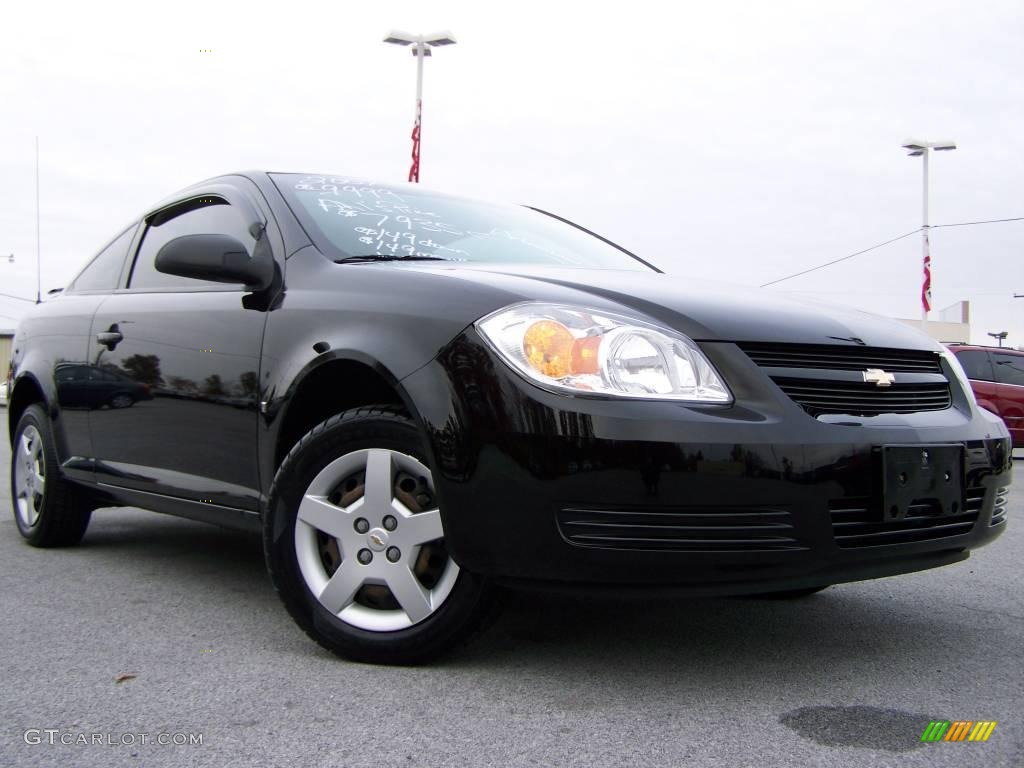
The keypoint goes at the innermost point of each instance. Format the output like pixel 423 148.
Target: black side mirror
pixel 219 258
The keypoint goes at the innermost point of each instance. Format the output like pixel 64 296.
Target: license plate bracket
pixel 921 472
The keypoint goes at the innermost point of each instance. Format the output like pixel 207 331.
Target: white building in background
pixel 954 323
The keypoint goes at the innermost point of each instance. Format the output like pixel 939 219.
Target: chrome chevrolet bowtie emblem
pixel 879 377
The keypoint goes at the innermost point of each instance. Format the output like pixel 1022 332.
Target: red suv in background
pixel 997 378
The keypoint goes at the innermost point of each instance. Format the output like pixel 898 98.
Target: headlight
pixel 587 351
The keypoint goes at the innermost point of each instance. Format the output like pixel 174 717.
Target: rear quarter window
pixel 104 271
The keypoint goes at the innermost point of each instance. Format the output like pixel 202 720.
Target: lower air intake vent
pixel 999 508
pixel 715 529
pixel 856 522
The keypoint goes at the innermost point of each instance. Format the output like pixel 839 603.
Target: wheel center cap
pixel 377 539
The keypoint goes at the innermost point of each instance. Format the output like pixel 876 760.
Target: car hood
pixel 703 310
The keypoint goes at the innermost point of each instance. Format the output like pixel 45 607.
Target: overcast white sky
pixel 740 141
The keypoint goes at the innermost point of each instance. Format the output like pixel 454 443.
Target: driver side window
pixel 207 216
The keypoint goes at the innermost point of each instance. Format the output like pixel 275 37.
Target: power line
pixel 970 223
pixel 19 298
pixel 873 247
pixel 842 258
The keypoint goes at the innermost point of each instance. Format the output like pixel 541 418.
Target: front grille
pixel 856 522
pixel 863 399
pixel 999 508
pixel 716 529
pixel 833 357
pixel 824 378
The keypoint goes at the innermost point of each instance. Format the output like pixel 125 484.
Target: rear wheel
pixel 49 511
pixel 121 400
pixel 355 543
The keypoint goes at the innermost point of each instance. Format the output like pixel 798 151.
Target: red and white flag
pixel 926 286
pixel 414 169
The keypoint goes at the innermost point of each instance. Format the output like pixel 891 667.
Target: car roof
pixel 983 347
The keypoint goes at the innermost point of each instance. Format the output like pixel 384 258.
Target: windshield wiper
pixel 386 257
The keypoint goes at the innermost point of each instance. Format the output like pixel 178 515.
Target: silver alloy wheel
pixel 29 476
pixel 367 524
pixel 121 401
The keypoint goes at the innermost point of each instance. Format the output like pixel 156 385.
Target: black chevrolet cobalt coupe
pixel 416 397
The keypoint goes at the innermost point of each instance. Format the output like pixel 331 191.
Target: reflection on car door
pixel 195 349
pixel 65 322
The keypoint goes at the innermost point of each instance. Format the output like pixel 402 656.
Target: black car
pixel 417 397
pixel 91 386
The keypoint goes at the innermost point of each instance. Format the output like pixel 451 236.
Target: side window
pixel 976 364
pixel 1009 368
pixel 67 372
pixel 102 272
pixel 215 217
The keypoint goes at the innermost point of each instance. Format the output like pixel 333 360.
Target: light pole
pixel 421 45
pixel 918 147
pixel 999 336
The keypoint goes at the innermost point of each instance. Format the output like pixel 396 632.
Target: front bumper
pixel 757 496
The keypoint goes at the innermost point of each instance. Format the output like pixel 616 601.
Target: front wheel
pixel 354 543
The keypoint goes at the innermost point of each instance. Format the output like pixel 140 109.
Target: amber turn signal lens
pixel 584 354
pixel 552 350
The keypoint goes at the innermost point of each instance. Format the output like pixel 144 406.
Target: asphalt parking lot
pixel 849 677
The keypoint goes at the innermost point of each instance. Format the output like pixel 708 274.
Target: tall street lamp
pixel 915 148
pixel 421 47
pixel 999 336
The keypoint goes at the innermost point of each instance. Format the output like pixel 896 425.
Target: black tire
pixel 453 621
pixel 64 511
pixel 791 594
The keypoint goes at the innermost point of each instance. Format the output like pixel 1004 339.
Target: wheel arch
pixel 27 391
pixel 336 381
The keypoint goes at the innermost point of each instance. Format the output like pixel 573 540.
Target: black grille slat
pixel 837 358
pixel 830 388
pixel 904 535
pixel 824 396
pixel 685 545
pixel 975 498
pixel 856 522
pixel 681 530
pixel 826 390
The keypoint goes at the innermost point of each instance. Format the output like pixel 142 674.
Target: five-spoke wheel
pixel 355 542
pixel 29 476
pixel 49 510
pixel 369 540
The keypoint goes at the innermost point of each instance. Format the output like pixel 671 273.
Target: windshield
pixel 348 217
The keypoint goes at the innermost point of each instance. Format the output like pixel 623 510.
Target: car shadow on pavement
pixel 847 629
pixel 195 551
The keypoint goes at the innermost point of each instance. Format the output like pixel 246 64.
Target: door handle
pixel 109 339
